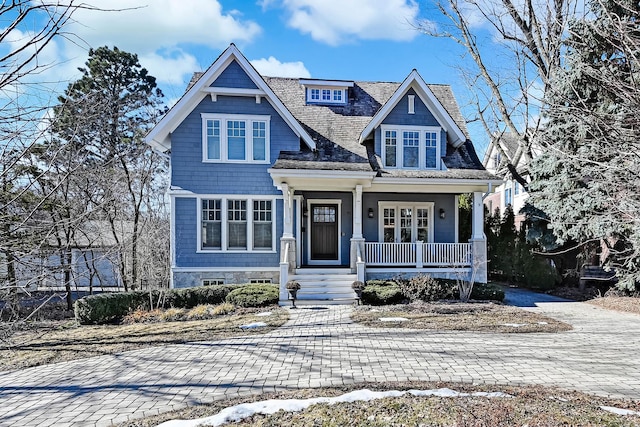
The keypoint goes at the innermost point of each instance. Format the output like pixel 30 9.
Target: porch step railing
pixel 417 254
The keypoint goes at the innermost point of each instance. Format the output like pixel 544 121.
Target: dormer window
pixel 326 91
pixel 409 147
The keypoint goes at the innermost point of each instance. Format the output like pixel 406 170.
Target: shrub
pixel 425 288
pixel 224 308
pixel 538 274
pixel 172 314
pixel 381 292
pixel 200 312
pixel 106 308
pixel 254 295
pixel 487 292
pixel 480 292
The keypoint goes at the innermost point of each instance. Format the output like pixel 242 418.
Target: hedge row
pixel 381 292
pixel 106 308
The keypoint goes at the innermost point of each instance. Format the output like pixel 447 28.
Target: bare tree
pixel 509 74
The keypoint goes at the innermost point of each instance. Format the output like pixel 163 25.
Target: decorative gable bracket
pixel 234 91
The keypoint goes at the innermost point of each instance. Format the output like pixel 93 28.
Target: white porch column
pixel 357 212
pixel 478 240
pixel 287 192
pixel 477 224
pixel 357 240
pixel 287 241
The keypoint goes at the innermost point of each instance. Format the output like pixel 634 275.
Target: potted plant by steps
pixel 358 287
pixel 293 287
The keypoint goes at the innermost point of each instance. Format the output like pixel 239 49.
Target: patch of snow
pixel 393 319
pixel 619 411
pixel 543 323
pixel 267 407
pixel 447 392
pixel 263 314
pixel 253 325
pixel 514 325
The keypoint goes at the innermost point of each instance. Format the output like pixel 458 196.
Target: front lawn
pixel 530 406
pixel 56 341
pixel 457 316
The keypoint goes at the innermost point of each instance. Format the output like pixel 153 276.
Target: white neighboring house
pixel 95 260
pixel 495 161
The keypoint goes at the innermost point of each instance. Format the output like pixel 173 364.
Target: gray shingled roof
pixel 336 130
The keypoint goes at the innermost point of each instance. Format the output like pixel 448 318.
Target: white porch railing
pixel 418 254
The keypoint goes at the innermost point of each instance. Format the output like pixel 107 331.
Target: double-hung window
pixel 235 138
pixel 237 224
pixel 408 147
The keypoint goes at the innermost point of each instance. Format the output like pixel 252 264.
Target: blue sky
pixel 333 39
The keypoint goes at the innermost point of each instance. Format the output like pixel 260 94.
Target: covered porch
pixel 367 245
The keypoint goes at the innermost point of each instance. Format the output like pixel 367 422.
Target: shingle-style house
pixel 321 181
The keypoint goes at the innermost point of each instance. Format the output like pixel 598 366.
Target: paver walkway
pixel 321 347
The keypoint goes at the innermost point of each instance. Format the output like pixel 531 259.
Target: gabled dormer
pixel 412 129
pixel 326 92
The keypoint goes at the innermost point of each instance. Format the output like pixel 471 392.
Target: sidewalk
pixel 321 347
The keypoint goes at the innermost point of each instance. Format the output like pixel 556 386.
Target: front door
pixel 324 232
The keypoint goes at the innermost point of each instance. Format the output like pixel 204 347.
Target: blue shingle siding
pixel 234 76
pixel 186 241
pixel 189 172
pixel 443 229
pixel 399 114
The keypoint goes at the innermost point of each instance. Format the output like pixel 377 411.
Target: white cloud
pixel 155 30
pixel 273 67
pixel 139 24
pixel 339 21
pixel 172 69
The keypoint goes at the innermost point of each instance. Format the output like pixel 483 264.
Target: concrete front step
pixel 331 286
pixel 310 302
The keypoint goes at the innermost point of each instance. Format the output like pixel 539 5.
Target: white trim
pixel 298 200
pixel 320 173
pixel 456 211
pixel 422 160
pixel 249 120
pixel 311 202
pixel 214 269
pixel 415 81
pixel 439 181
pixel 331 83
pixel 373 270
pixel 382 205
pixel 224 219
pixel 160 136
pixel 233 91
pixel 411 108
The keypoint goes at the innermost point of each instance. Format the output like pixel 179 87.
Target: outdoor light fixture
pixel 370 212
pixel 442 213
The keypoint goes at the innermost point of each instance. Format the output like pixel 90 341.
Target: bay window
pixel 235 138
pixel 409 147
pixel 236 224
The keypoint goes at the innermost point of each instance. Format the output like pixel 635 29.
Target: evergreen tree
pixel 105 115
pixel 586 178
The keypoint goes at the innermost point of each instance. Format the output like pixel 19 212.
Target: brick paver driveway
pixel 321 347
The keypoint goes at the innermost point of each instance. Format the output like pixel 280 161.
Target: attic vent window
pixel 412 104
